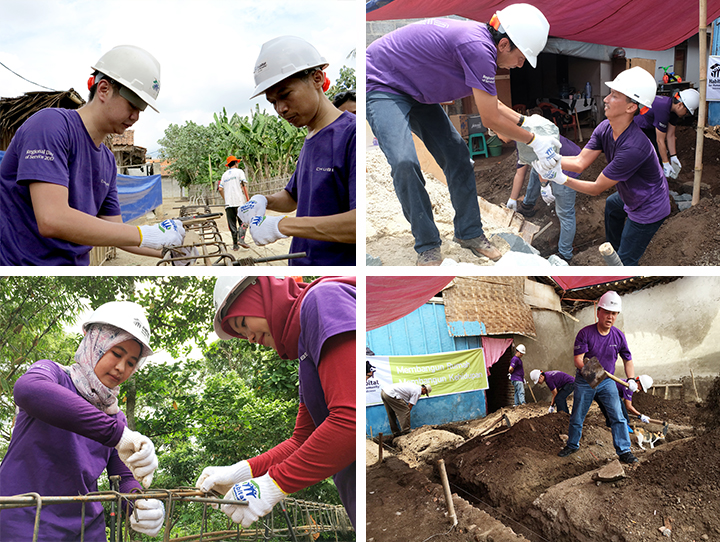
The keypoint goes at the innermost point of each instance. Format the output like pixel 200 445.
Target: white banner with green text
pixel 448 372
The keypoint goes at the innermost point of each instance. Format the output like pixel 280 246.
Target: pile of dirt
pixel 515 475
pixel 689 237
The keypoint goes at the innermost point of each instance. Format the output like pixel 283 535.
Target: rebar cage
pixel 297 520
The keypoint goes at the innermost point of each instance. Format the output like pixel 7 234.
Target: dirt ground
pixel 509 484
pixel 687 237
pixel 170 208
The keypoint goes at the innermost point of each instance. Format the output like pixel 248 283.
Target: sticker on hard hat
pixel 260 67
pixel 145 331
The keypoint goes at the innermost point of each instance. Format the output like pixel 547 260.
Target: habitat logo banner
pixel 449 372
pixel 713 79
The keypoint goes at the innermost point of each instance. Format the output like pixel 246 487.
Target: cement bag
pixel 538 125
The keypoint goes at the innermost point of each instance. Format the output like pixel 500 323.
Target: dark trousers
pixel 235 225
pixel 562 395
pixel 627 237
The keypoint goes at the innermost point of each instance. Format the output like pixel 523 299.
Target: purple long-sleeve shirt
pixel 60 446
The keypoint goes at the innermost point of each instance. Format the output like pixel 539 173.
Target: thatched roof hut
pixel 15 111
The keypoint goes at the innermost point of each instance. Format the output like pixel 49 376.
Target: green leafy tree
pixel 346 81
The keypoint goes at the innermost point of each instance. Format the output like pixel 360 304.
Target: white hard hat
pixel 610 301
pixel 527 27
pixel 136 70
pixel 646 382
pixel 428 388
pixel 535 375
pixel 637 84
pixel 690 99
pixel 127 316
pixel 521 348
pixel 227 289
pixel 282 57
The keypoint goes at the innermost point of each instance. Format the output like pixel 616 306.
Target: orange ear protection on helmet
pixel 326 83
pixel 91 82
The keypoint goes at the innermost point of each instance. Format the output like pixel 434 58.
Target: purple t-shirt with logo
pixel 52 146
pixel 557 379
pixel 606 348
pixel 433 61
pixel 60 446
pixel 328 309
pixel 658 116
pixel 518 373
pixel 324 184
pixel 632 162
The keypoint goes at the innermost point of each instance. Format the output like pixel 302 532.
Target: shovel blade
pixel 593 372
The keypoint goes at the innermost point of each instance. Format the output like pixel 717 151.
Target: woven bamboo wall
pixel 496 302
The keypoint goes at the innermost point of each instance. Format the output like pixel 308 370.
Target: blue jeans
pixel 519 391
pixel 628 238
pixel 564 207
pixel 606 392
pixel 393 119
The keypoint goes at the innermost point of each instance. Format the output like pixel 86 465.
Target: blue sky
pixel 206 48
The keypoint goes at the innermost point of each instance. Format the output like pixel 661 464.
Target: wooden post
pixel 702 111
pixel 380 447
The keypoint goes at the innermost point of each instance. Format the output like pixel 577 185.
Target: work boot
pixel 430 257
pixel 566 451
pixel 480 246
pixel 628 458
pixel 526 210
pixel 236 247
pixel 242 243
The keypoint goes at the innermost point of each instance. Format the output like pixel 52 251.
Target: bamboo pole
pixel 702 113
pixel 448 494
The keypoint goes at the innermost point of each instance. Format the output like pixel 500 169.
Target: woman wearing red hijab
pixel 314 323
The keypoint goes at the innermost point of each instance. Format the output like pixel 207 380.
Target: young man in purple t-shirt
pixel 58 186
pixel 658 123
pixel 605 342
pixel 289 71
pixel 516 373
pixel 642 202
pixel 414 69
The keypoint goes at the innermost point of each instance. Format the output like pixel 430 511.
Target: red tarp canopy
pixel 641 24
pixel 572 283
pixel 390 298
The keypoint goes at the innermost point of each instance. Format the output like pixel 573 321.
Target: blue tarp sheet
pixel 137 195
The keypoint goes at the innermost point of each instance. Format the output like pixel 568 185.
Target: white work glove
pixel 221 479
pixel 544 147
pixel 256 206
pixel 547 195
pixel 551 410
pixel 138 453
pixel 509 376
pixel 632 385
pixel 511 204
pixel 675 165
pixel 150 514
pixel 261 494
pixel 555 174
pixel 264 229
pixel 668 170
pixel 182 252
pixel 644 418
pixel 166 234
